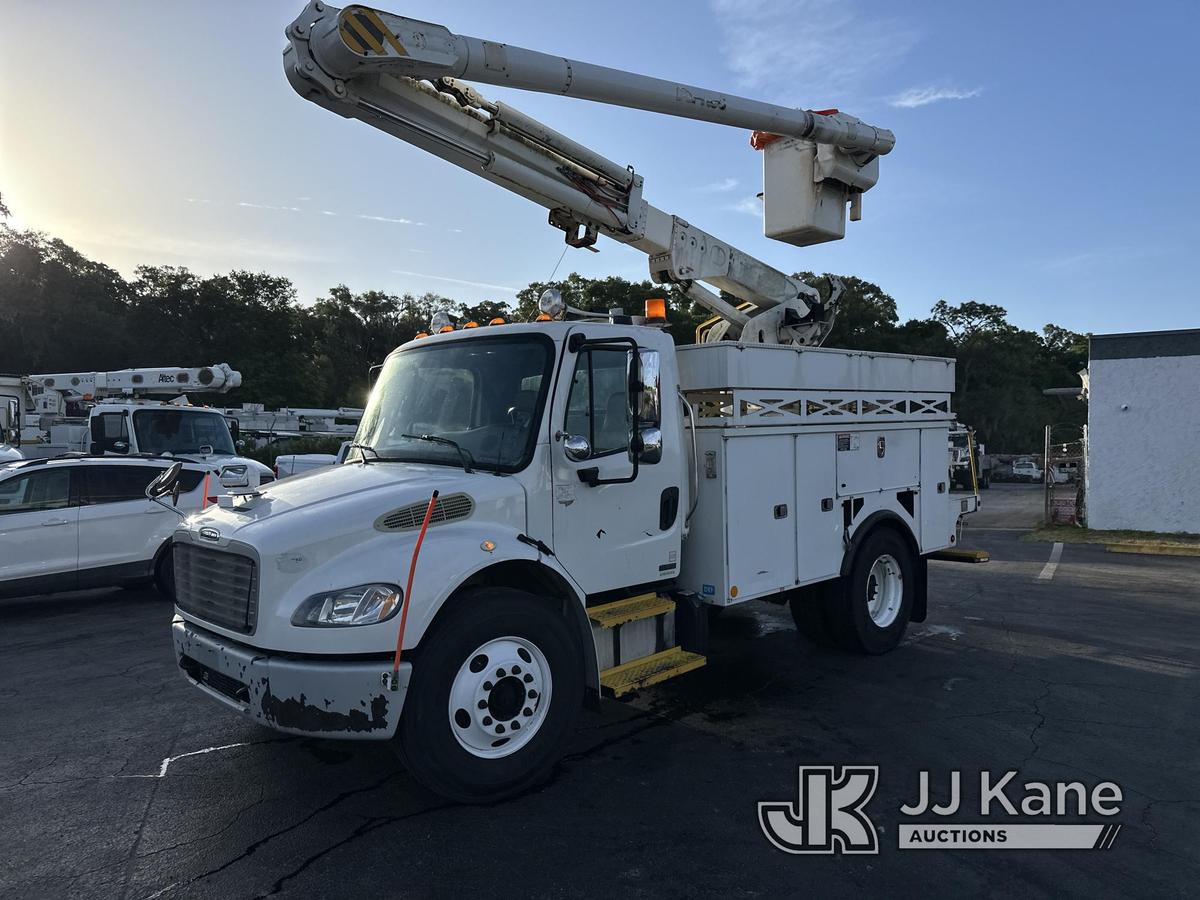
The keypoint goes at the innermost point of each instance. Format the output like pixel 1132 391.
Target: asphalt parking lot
pixel 119 780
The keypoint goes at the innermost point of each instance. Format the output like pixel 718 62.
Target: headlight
pixel 364 604
pixel 234 476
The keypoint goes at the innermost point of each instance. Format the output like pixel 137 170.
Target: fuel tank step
pixel 648 670
pixel 631 609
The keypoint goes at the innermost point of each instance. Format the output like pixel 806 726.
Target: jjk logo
pixel 828 815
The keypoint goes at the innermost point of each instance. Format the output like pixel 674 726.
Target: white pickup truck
pixel 290 464
pixel 596 487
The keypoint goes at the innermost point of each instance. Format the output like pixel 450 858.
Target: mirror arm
pixel 167 506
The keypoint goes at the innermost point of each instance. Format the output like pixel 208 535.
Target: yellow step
pixel 960 555
pixel 643 606
pixel 649 670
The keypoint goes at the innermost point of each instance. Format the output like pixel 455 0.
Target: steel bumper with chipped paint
pixel 335 698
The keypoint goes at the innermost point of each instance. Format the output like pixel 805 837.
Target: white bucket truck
pixel 579 489
pixel 117 413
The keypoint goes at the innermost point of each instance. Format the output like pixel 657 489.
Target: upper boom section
pixel 404 77
pixel 361 40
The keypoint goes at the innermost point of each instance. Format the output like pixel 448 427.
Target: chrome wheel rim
pixel 885 590
pixel 500 697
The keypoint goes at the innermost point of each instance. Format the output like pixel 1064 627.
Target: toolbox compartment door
pixel 872 461
pixel 761 526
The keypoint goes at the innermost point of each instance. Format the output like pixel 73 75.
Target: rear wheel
pixel 493 697
pixel 876 600
pixel 867 610
pixel 809 606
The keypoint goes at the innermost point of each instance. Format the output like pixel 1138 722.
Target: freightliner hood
pixel 347 499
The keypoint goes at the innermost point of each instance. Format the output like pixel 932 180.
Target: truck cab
pixel 139 427
pixel 10 418
pixel 575 505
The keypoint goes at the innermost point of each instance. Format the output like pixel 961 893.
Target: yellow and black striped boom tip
pixel 363 32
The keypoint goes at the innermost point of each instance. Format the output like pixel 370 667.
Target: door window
pixel 598 404
pixel 109 430
pixel 116 484
pixel 45 489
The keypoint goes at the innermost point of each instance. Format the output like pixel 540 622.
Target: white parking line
pixel 1049 569
pixel 166 763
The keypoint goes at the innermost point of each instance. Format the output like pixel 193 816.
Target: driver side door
pixel 609 536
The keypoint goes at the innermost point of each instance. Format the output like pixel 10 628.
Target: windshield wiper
pixel 366 448
pixel 463 455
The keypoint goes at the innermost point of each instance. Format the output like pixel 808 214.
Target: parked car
pixel 84 521
pixel 1026 470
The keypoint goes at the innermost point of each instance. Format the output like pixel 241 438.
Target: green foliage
pixel 61 311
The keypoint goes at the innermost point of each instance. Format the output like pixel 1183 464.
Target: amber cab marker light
pixel 656 309
pixel 471 324
pixel 542 317
pixel 497 321
pixel 420 334
pixel 445 328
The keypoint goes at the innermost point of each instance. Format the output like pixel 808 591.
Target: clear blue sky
pixel 1044 158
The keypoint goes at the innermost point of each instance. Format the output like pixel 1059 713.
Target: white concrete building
pixel 1143 458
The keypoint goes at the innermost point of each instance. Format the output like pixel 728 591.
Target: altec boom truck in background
pixel 532 514
pixel 126 412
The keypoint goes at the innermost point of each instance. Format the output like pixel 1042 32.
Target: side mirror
pixel 94 449
pixel 235 429
pixel 576 447
pixel 164 483
pixel 646 400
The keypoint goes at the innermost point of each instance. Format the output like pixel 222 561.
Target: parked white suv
pixel 82 521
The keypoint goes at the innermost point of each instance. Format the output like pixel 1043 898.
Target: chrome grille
pixel 216 586
pixel 447 509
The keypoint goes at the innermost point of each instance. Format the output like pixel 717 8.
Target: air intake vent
pixel 449 508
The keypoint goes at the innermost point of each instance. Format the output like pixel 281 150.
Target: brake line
pixel 392 679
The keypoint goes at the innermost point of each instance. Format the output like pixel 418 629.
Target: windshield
pixel 485 394
pixel 181 431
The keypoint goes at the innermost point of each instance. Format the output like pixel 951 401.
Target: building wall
pixel 1143 464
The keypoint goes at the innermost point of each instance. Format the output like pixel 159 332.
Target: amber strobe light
pixel 656 309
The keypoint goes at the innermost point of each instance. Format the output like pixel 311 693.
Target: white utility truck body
pixel 533 513
pixel 792 481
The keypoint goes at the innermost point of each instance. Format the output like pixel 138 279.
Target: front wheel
pixel 493 697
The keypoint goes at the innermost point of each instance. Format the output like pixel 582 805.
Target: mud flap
pixel 920 607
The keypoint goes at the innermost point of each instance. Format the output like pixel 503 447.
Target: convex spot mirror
pixel 576 447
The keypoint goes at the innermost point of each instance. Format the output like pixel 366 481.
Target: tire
pixel 164 575
pixel 809 606
pixel 869 611
pixel 445 735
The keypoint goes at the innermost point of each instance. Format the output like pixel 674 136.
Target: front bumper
pixel 335 698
